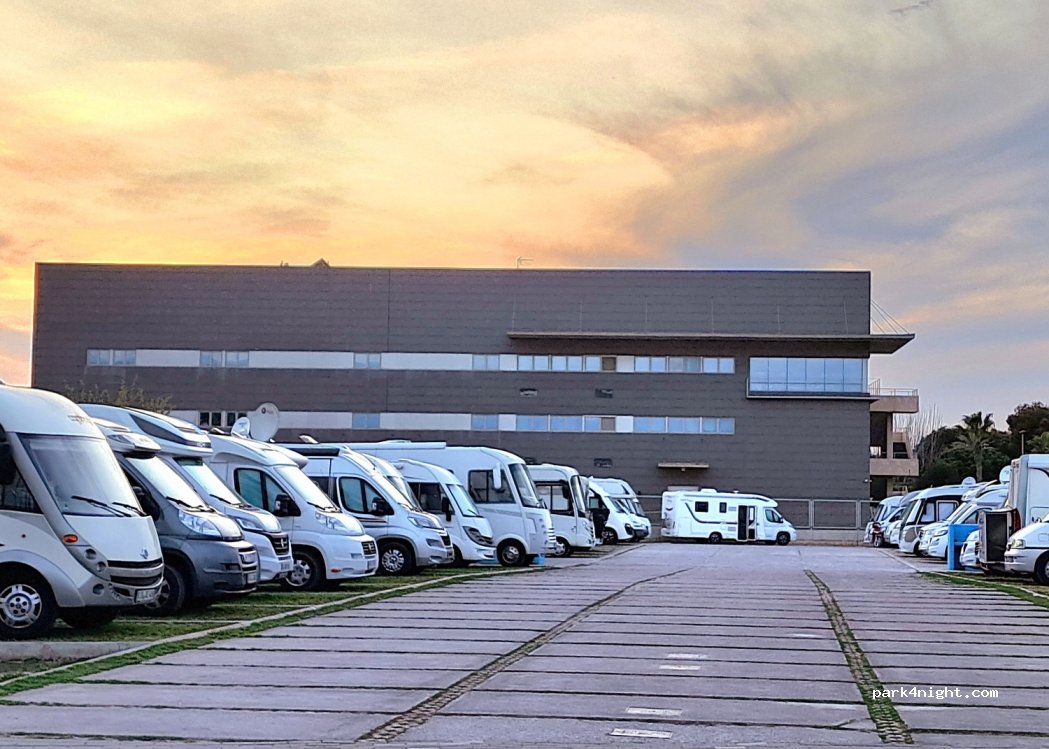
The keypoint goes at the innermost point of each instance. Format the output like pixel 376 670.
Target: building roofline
pixel 878 343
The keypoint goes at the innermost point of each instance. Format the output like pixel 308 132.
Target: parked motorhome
pixel 185 447
pixel 1027 503
pixel 874 533
pixel 438 491
pixel 327 545
pixel 932 539
pixel 612 520
pixel 409 539
pixel 74 541
pixel 721 516
pixel 205 555
pixel 563 491
pixel 624 493
pixel 498 483
pixel 929 506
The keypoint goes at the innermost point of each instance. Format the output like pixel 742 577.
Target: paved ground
pixel 665 645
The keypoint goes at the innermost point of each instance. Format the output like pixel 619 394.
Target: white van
pixel 327 545
pixel 409 539
pixel 612 522
pixel 932 539
pixel 185 447
pixel 564 491
pixel 931 505
pixel 1026 513
pixel 876 531
pixel 717 516
pixel 626 497
pixel 74 541
pixel 500 487
pixel 439 491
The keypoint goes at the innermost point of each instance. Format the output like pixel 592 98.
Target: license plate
pixel 286 566
pixel 252 578
pixel 145 596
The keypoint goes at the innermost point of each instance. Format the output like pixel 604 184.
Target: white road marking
pixel 685 657
pixel 679 667
pixel 635 733
pixel 652 711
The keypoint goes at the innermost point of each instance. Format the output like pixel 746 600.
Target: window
pixel 710 365
pixel 525 363
pixel 807 375
pixel 232 416
pixel 124 357
pixel 702 507
pixel 211 359
pixel 709 425
pixel 484 422
pixel 575 364
pixel 533 423
pixel 771 516
pixel 486 362
pixel 683 425
pixel 482 491
pixel 592 363
pixel 99 357
pixel 363 420
pixel 16 495
pixel 367 361
pixel 257 488
pixel 650 424
pixel 658 363
pixel 726 365
pixel 431 497
pixel 357 495
pixel 642 363
pixel 541 363
pixel 559 363
pixel 209 419
pixel 723 507
pixel 928 513
pixel 599 423
pixel 676 364
pixel 608 364
pixel 566 423
pixel 237 359
pixel 556 497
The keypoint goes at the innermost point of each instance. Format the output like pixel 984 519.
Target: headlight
pixel 628 527
pixel 424 521
pixel 249 523
pixel 939 532
pixel 477 537
pixel 1017 543
pixel 333 522
pixel 199 525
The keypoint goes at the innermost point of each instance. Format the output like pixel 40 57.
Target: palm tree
pixel 974 436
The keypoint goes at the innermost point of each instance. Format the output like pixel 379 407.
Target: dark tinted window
pixel 702 507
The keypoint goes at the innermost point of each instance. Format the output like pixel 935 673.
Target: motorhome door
pixel 742 522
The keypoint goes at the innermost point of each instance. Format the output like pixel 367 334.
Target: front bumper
pixel 225 569
pixel 1022 561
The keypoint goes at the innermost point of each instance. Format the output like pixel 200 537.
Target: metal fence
pixel 804 514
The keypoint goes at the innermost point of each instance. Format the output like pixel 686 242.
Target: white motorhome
pixel 327 545
pixel 1026 515
pixel 718 516
pixel 932 539
pixel 621 491
pixel 564 491
pixel 876 532
pixel 185 447
pixel 409 539
pixel 74 541
pixel 612 521
pixel 931 505
pixel 439 491
pixel 500 487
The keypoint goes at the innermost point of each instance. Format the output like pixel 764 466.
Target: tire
pixel 395 558
pixel 27 605
pixel 878 542
pixel 511 554
pixel 307 571
pixel 458 561
pixel 609 537
pixel 561 548
pixel 782 538
pixel 172 594
pixel 1041 569
pixel 88 618
pixel 714 538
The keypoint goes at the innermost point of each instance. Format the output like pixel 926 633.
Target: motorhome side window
pixel 16 496
pixel 430 496
pixel 555 497
pixel 770 516
pixel 256 487
pixel 723 507
pixel 702 506
pixel 483 492
pixel 323 483
pixel 357 494
pixel 928 513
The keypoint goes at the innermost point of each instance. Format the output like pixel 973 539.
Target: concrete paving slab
pixel 784 672
pixel 934 645
pixel 574 650
pixel 1032 697
pixel 984 719
pixel 974 677
pixel 234 676
pixel 335 660
pixel 428 634
pixel 470 625
pixel 725 640
pixel 961 662
pixel 377 645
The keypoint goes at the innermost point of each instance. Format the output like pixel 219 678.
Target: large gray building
pixel 740 380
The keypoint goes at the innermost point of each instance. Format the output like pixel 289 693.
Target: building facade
pixel 740 380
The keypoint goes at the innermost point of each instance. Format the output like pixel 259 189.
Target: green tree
pixel 1031 419
pixel 975 437
pixel 1039 444
pixel 127 396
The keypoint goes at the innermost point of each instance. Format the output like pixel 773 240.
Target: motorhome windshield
pixel 395 494
pixel 577 495
pixel 525 487
pixel 82 475
pixel 301 485
pixel 212 484
pixel 402 487
pixel 961 513
pixel 462 500
pixel 168 484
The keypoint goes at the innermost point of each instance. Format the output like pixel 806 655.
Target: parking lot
pixel 662 645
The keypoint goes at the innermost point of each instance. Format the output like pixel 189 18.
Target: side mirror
pixel 284 507
pixel 140 494
pixel 446 508
pixel 7 464
pixel 381 507
pixel 497 479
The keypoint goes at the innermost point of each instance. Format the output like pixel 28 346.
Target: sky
pixel 904 137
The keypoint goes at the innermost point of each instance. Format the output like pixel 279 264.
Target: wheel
pixel 88 618
pixel 878 542
pixel 714 538
pixel 458 561
pixel 782 538
pixel 395 558
pixel 307 571
pixel 27 605
pixel 511 554
pixel 1041 569
pixel 172 594
pixel 561 548
pixel 608 536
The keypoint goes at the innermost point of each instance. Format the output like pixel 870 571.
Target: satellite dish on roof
pixel 241 428
pixel 968 481
pixel 265 420
pixel 1005 474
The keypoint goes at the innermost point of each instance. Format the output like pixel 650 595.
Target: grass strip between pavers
pixel 71 672
pixel 1016 590
pixel 887 721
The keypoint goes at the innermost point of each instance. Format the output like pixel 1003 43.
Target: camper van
pixel 327 545
pixel 720 516
pixel 408 538
pixel 930 505
pixel 876 532
pixel 932 539
pixel 74 541
pixel 438 491
pixel 563 491
pixel 184 447
pixel 205 555
pixel 625 495
pixel 613 522
pixel 500 487
pixel 1026 516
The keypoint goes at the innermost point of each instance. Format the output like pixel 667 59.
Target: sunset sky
pixel 904 137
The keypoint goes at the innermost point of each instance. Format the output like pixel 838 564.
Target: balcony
pixel 899 463
pixel 893 400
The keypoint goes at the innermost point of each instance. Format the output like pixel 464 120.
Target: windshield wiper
pixel 233 503
pixel 98 503
pixel 136 510
pixel 190 505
